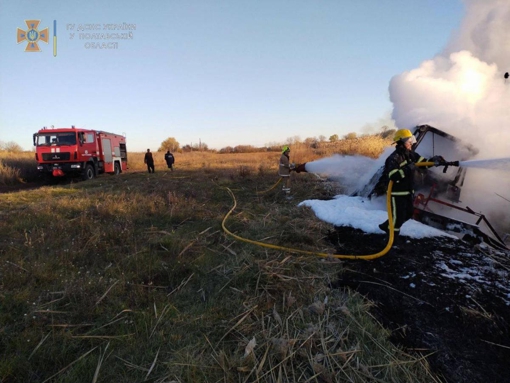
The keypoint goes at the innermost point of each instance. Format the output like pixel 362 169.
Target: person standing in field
pixel 149 160
pixel 169 158
pixel 285 168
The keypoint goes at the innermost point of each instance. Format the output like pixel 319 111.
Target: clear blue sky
pixel 229 72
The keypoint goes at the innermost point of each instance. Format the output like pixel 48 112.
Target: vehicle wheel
pixel 116 169
pixel 89 173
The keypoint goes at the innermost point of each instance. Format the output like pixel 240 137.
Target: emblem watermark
pixel 32 35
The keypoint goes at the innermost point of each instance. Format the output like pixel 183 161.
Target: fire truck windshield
pixel 56 139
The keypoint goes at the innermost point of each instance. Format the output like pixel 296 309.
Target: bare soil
pixel 441 297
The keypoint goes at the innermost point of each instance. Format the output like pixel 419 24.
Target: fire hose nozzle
pixel 452 163
pixel 300 168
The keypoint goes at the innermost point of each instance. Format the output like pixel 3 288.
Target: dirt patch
pixel 441 297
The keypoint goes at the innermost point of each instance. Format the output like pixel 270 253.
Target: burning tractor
pixel 438 200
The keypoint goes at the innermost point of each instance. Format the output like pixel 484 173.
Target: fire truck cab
pixel 75 151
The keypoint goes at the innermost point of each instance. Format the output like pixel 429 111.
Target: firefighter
pixel 285 168
pixel 149 161
pixel 399 168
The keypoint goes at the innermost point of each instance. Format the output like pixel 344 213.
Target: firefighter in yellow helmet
pixel 400 168
pixel 285 168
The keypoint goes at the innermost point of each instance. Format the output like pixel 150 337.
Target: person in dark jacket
pixel 169 158
pixel 149 160
pixel 400 168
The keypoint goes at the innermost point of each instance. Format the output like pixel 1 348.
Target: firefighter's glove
pixel 438 160
pixel 292 166
pixel 410 167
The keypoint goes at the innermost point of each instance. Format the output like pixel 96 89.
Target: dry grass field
pixel 132 278
pixel 18 168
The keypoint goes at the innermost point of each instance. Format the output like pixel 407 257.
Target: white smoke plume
pixel 345 170
pixel 463 92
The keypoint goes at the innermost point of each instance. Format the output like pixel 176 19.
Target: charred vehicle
pixel 438 199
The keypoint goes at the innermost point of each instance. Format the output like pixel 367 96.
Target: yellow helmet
pixel 402 134
pixel 285 148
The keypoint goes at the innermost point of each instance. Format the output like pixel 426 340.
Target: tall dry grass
pixel 20 167
pixel 131 278
pixel 17 168
pixel 369 146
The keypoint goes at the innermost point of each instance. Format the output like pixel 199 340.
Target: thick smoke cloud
pixel 463 92
pixel 484 32
pixel 461 95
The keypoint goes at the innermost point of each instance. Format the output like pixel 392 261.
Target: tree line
pixel 173 145
pixel 313 142
pixel 10 147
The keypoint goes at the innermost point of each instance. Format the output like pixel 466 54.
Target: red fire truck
pixel 85 152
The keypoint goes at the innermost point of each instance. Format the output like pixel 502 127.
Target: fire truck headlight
pixel 75 166
pixel 40 167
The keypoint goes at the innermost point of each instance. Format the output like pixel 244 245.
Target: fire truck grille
pixel 56 156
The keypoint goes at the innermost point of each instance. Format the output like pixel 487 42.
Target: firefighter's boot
pixel 286 192
pixel 384 227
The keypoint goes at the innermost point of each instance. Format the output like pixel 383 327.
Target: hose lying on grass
pixel 319 254
pixel 271 188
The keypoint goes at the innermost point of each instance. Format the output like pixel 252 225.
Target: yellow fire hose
pixel 271 188
pixel 326 255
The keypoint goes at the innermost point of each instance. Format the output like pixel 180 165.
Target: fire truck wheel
pixel 116 169
pixel 88 174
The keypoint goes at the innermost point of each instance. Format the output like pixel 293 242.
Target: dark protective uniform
pixel 399 168
pixel 169 158
pixel 149 161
